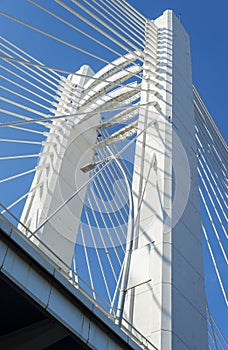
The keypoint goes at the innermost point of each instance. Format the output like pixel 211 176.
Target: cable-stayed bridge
pixel 115 173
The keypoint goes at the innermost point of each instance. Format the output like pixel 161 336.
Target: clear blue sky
pixel 205 21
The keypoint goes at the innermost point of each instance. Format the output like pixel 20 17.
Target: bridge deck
pixel 41 309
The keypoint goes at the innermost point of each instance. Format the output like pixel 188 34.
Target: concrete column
pixel 165 296
pixel 69 146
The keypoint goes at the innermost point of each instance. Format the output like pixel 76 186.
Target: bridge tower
pixel 160 285
pixel 163 288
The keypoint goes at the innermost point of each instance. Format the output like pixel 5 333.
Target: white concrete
pixel 63 153
pixel 167 304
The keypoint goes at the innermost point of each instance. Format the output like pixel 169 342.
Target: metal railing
pixel 77 281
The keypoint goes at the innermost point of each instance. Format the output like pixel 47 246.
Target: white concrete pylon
pixel 162 293
pixel 61 177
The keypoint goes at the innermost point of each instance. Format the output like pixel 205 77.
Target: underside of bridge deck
pixel 24 325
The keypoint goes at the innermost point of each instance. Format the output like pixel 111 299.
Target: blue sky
pixel 206 25
pixel 205 21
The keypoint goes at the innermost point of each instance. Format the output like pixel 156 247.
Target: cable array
pixel 40 105
pixel 216 339
pixel 42 108
pixel 212 170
